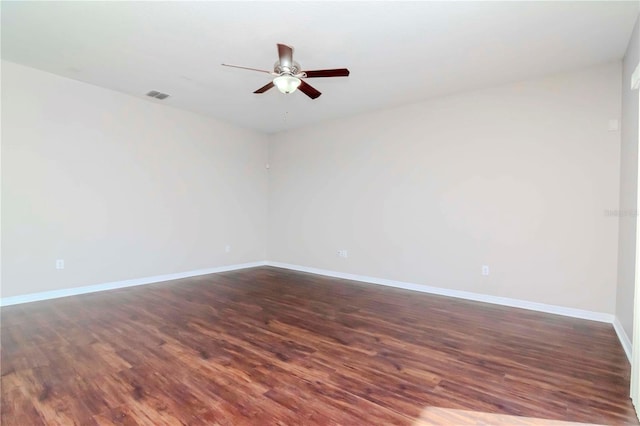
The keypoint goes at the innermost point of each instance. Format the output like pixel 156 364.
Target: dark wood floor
pixel 269 346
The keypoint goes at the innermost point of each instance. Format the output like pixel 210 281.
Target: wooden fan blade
pixel 245 68
pixel 286 55
pixel 265 87
pixel 308 90
pixel 338 72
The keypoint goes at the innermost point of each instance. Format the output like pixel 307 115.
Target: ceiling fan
pixel 289 74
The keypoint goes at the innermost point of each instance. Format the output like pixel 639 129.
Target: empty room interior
pixel 319 213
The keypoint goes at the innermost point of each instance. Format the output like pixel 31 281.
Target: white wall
pixel 120 187
pixel 517 177
pixel 628 187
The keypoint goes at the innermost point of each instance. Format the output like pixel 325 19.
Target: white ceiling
pixel 398 52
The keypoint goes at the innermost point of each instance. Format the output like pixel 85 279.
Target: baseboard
pixel 496 300
pixel 622 335
pixel 505 301
pixel 46 295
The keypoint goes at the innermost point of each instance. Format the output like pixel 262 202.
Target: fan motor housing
pixel 294 69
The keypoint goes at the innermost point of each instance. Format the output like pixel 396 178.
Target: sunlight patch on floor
pixel 447 416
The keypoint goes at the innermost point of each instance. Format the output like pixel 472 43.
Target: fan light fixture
pixel 287 83
pixel 288 74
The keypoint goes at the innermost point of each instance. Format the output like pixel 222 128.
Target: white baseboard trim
pixel 505 301
pixel 496 300
pixel 46 295
pixel 622 335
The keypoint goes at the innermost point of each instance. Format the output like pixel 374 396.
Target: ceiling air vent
pixel 157 95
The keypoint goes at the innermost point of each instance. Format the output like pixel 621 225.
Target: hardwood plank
pixel 270 346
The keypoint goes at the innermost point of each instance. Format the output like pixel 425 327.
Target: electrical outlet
pixel 485 270
pixel 227 248
pixel 60 264
pixel 343 253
